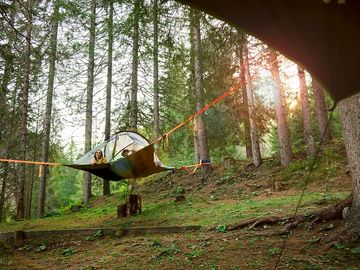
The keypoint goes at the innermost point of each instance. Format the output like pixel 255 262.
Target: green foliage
pixel 99 233
pixel 156 243
pixel 273 251
pixel 221 228
pixel 68 251
pixel 41 248
pixel 339 246
pixel 194 253
pixel 355 250
pixel 27 247
pixel 178 190
pixel 63 187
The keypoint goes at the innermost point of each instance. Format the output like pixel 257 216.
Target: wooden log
pixel 132 206
pixel 121 210
pixel 18 236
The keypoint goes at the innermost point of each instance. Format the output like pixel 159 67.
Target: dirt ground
pixel 243 249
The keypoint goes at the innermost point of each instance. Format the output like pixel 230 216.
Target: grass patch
pixel 194 211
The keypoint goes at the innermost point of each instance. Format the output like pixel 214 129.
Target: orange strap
pixel 199 112
pixel 186 168
pixel 40 163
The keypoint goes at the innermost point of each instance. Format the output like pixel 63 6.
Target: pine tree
pixel 135 64
pixel 255 145
pixel 106 184
pixel 321 111
pixel 286 155
pixel 89 97
pixel 24 103
pixel 201 137
pixel 350 120
pixel 49 101
pixel 310 145
pixel 156 70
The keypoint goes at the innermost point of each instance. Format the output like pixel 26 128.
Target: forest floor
pixel 230 195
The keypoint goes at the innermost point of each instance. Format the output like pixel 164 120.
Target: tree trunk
pixel 106 183
pixel 199 93
pixel 245 102
pixel 135 63
pixel 309 140
pixel 321 111
pixel 156 71
pixel 4 176
pixel 24 103
pixel 350 120
pixel 89 98
pixel 47 115
pixel 196 147
pixel 286 154
pixel 255 146
pixel 30 186
pixel 6 78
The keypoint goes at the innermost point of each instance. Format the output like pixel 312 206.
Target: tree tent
pixel 140 163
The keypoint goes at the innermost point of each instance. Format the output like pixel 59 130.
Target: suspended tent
pixel 141 162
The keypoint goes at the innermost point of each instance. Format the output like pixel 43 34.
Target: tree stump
pixel 131 207
pixel 18 236
pixel 180 198
pixel 121 210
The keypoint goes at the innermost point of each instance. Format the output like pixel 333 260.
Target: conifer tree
pixel 89 97
pixel 286 155
pixel 24 104
pixel 201 136
pixel 255 145
pixel 106 184
pixel 48 109
pixel 306 113
pixel 321 111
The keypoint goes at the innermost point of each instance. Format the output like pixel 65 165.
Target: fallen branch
pixel 330 213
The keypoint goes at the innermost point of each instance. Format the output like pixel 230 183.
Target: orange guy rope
pixel 199 112
pixel 40 163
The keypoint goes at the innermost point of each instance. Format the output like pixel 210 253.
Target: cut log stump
pixel 131 207
pixel 180 198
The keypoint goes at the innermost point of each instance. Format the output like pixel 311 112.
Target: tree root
pixel 332 212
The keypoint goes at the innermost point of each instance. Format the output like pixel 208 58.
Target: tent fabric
pixel 320 35
pixel 143 162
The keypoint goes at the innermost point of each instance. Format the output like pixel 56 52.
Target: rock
pixel 345 212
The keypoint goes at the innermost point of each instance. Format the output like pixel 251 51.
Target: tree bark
pixel 106 183
pixel 350 120
pixel 286 154
pixel 4 176
pixel 135 63
pixel 255 146
pixel 199 93
pixel 156 71
pixel 89 97
pixel 309 140
pixel 47 115
pixel 245 102
pixel 24 103
pixel 321 111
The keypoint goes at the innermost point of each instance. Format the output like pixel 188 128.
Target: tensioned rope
pixel 311 169
pixel 40 163
pixel 199 112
